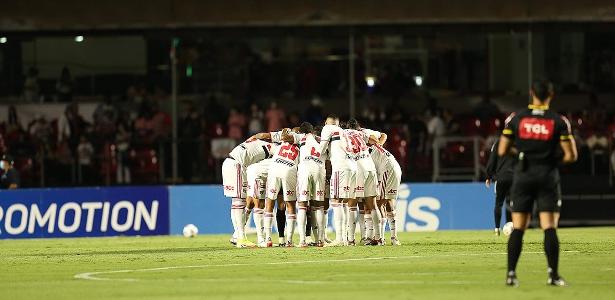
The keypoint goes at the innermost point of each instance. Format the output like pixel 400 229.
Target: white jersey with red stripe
pixel 383 159
pixel 359 148
pixel 285 160
pixel 309 150
pixel 251 151
pixel 335 140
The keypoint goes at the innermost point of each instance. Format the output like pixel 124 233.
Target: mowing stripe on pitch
pixel 94 275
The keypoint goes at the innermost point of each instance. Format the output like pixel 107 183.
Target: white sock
pixel 290 227
pixel 352 222
pixel 325 223
pixel 376 221
pixel 301 222
pixel 392 227
pixel 246 220
pixel 237 214
pixel 268 225
pixel 369 226
pixel 259 223
pixel 344 222
pixel 338 220
pixel 361 222
pixel 320 220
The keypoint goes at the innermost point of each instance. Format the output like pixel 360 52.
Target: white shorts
pixel 234 179
pixel 287 184
pixel 343 183
pixel 367 184
pixel 311 184
pixel 257 179
pixel 389 182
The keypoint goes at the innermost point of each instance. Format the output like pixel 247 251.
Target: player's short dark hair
pixel 353 124
pixel 542 89
pixel 306 127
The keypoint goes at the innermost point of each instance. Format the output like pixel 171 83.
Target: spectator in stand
pixel 190 131
pixel 85 153
pixel 486 109
pixel 64 86
pixel 418 136
pixel 313 113
pixel 14 124
pixel 276 118
pixel 214 112
pixel 256 120
pixel 105 117
pixel 435 128
pixel 31 86
pixel 595 113
pixel 294 120
pixel 122 141
pixel 70 127
pixel 41 131
pixel 236 123
pixel 143 127
pixel 161 124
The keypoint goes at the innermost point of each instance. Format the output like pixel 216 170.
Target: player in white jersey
pixel 389 179
pixel 257 179
pixel 235 183
pixel 343 176
pixel 366 186
pixel 234 179
pixel 310 184
pixel 282 177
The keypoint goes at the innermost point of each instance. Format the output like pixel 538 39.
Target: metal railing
pixel 443 170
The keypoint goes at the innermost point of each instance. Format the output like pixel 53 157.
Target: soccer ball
pixel 507 229
pixel 190 230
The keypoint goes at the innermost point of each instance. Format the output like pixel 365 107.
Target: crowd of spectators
pixel 129 137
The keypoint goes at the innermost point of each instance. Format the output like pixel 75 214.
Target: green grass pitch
pixel 438 265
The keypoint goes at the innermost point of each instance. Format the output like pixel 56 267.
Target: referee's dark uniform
pixel 500 170
pixel 536 133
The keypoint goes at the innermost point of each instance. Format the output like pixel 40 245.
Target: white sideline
pixel 94 275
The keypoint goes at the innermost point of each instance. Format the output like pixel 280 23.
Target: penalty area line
pixel 96 275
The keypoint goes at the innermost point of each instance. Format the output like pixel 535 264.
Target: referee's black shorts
pixel 536 185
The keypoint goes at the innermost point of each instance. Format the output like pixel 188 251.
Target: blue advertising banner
pixel 78 212
pixel 436 206
pixel 420 207
pixel 202 205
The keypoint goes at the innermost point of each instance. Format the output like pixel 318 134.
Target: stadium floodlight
pixel 3 40
pixel 79 38
pixel 370 81
pixel 418 80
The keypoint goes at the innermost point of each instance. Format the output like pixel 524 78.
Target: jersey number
pixel 315 153
pixel 356 144
pixel 289 151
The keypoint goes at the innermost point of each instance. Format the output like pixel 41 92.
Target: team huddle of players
pixel 305 172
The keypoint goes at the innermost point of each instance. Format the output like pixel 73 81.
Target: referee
pixel 500 171
pixel 10 176
pixel 537 133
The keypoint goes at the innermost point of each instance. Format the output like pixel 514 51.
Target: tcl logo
pixel 536 129
pixel 229 187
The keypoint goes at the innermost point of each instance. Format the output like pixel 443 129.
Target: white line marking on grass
pixel 95 275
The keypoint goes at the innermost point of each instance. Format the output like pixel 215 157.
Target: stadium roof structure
pixel 66 15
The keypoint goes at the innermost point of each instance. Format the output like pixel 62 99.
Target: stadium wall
pixel 131 211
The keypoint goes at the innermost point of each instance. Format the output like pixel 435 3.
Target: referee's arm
pixel 567 143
